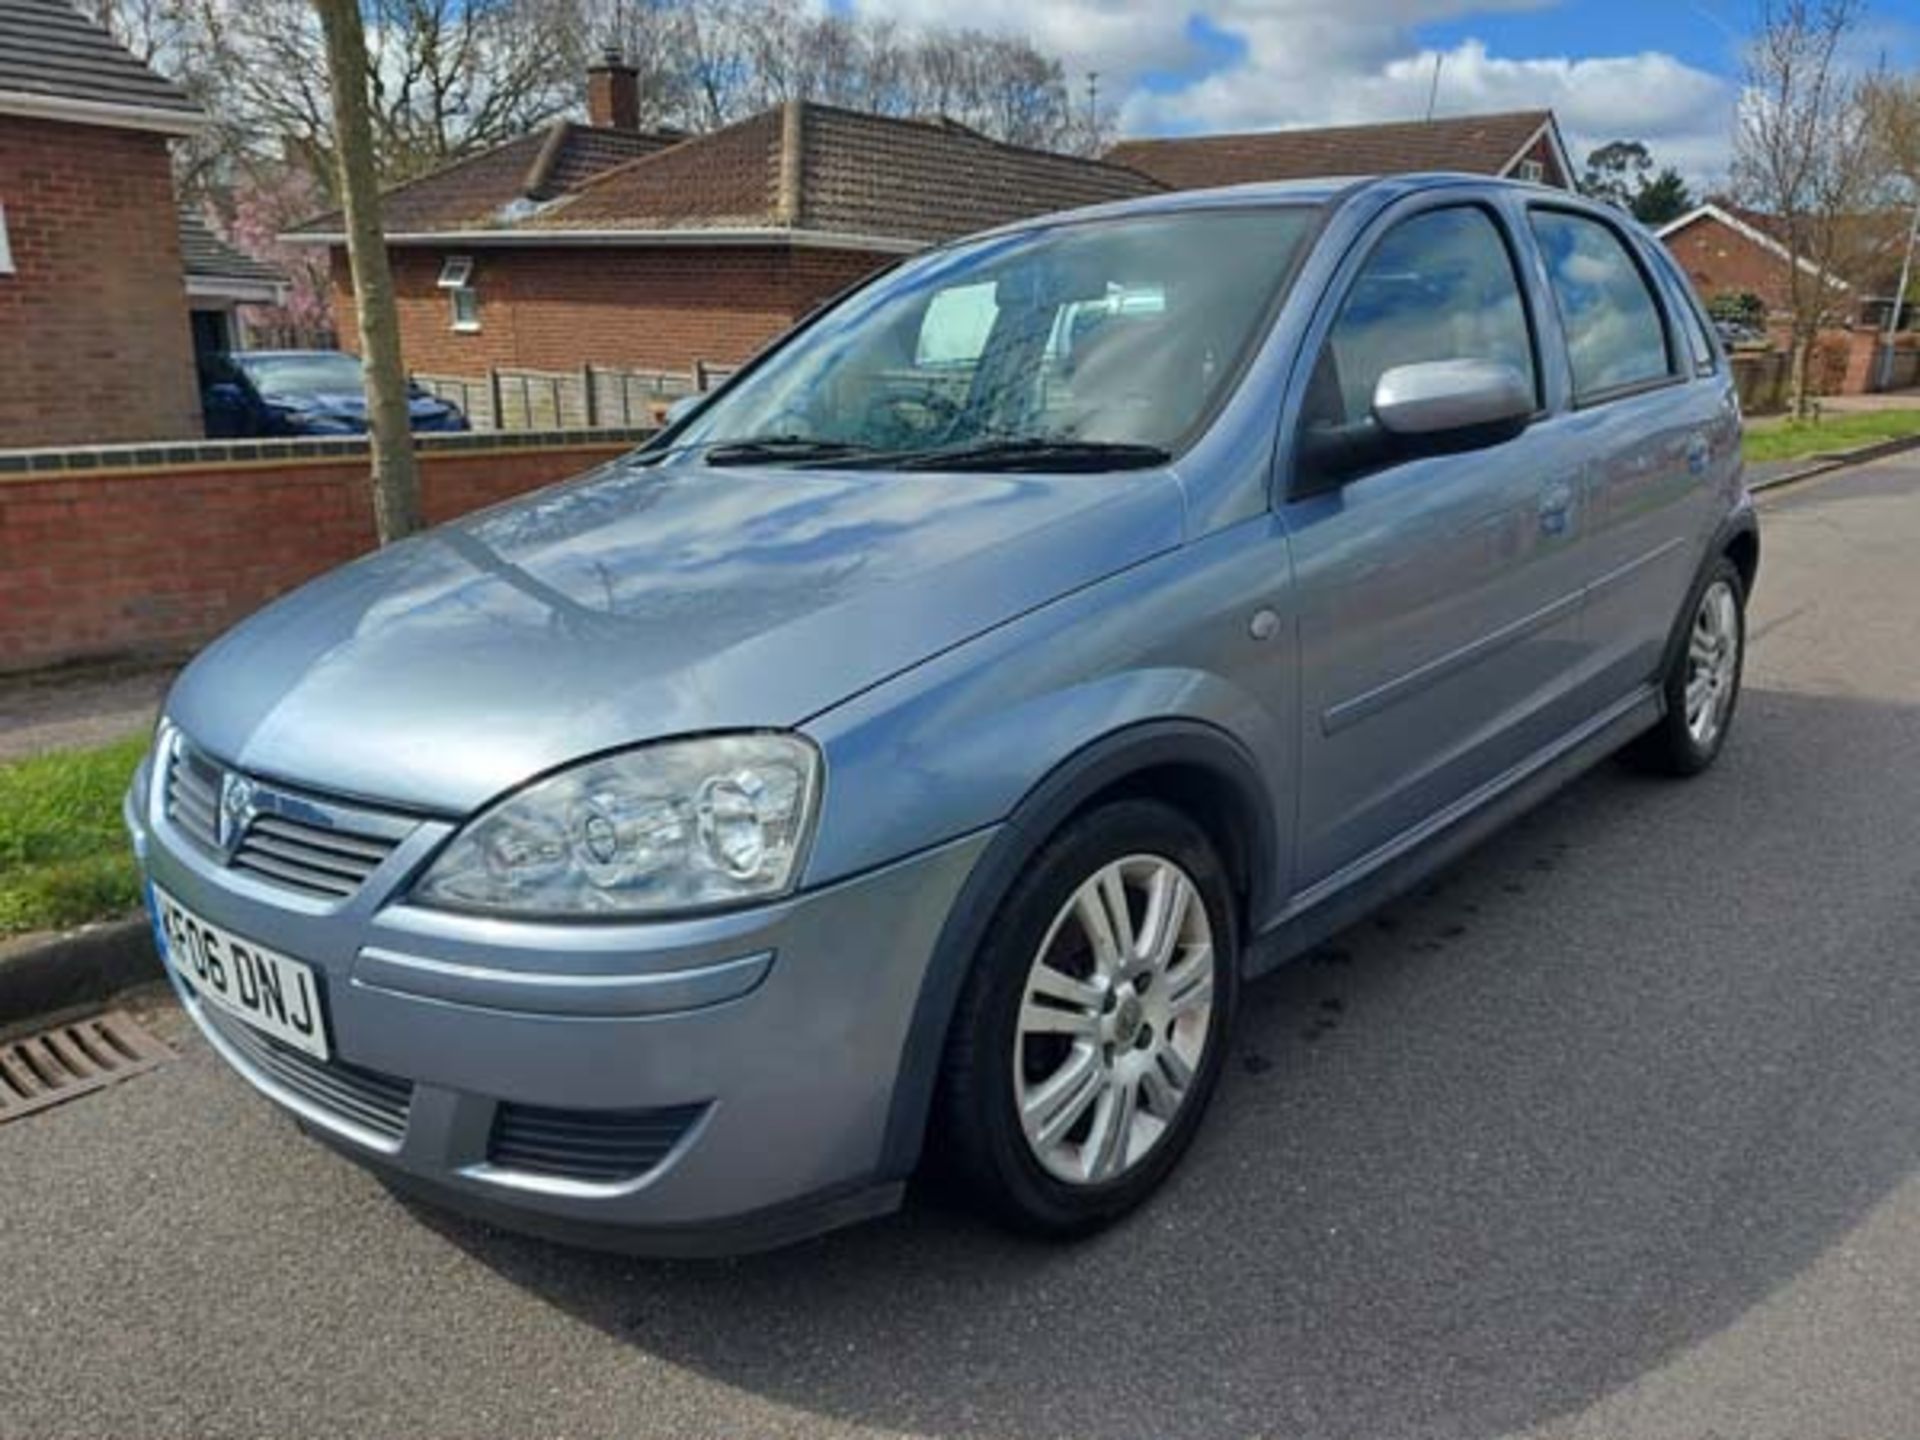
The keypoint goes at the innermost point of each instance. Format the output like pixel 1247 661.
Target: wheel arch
pixel 1741 544
pixel 1737 539
pixel 1192 765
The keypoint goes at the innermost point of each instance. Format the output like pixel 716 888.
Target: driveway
pixel 1610 1133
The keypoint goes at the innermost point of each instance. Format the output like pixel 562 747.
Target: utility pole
pixel 1900 296
pixel 396 480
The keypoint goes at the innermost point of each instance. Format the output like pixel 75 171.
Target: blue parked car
pixel 910 753
pixel 302 392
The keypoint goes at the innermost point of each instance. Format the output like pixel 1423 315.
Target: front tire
pixel 1702 682
pixel 1092 1029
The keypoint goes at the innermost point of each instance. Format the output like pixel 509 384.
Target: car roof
pixel 1326 190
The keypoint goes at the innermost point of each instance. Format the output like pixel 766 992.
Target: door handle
pixel 1556 508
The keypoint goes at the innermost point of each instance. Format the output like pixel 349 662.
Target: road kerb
pixel 41 974
pixel 1838 460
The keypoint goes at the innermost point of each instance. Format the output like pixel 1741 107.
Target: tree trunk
pixel 396 480
pixel 1800 373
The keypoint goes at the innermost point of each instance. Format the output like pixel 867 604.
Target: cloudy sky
pixel 1661 71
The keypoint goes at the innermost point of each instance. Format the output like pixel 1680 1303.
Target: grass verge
pixel 1793 439
pixel 64 858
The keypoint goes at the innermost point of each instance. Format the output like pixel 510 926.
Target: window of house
pixel 1615 336
pixel 1532 171
pixel 6 246
pixel 1440 286
pixel 456 278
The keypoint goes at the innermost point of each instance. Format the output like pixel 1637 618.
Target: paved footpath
pixel 1611 1134
pixel 68 709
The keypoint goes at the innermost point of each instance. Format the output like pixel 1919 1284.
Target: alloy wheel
pixel 1713 663
pixel 1115 1020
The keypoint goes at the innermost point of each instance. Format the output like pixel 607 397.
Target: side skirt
pixel 1369 882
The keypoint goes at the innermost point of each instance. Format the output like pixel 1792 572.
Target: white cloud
pixel 1321 62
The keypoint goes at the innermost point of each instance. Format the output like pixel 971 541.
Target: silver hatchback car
pixel 903 760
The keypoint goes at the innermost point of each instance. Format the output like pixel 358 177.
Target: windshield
pixel 1113 337
pixel 323 374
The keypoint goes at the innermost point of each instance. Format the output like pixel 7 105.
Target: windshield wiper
pixel 1037 452
pixel 774 449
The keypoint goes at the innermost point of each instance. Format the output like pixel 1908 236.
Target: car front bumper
pixel 774 1035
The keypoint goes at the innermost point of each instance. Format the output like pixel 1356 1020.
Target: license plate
pixel 261 987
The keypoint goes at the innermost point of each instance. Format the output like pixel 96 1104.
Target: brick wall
pixel 645 308
pixel 94 339
pixel 126 558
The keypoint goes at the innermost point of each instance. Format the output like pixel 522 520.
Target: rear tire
pixel 1702 683
pixel 1092 1029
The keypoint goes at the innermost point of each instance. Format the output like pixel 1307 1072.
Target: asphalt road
pixel 1611 1133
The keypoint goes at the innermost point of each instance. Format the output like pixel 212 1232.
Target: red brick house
pixel 1728 249
pixel 603 244
pixel 94 337
pixel 1518 144
pixel 220 280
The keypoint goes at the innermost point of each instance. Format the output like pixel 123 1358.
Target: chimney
pixel 613 92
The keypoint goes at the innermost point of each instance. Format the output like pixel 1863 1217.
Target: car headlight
pixel 677 826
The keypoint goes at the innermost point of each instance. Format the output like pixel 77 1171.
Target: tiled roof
pixel 1867 248
pixel 931 181
pixel 482 191
pixel 1478 144
pixel 808 168
pixel 729 179
pixel 207 257
pixel 49 51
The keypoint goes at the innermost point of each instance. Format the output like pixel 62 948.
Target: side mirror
pixel 1473 402
pixel 1435 407
pixel 226 394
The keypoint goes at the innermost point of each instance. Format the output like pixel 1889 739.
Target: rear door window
pixel 1615 336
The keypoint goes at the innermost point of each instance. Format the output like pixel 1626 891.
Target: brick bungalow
pixel 1728 249
pixel 93 300
pixel 1518 144
pixel 603 244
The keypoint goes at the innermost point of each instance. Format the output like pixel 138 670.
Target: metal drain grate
pixel 70 1060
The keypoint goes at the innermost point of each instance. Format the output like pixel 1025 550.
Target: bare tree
pixel 1893 116
pixel 447 78
pixel 396 481
pixel 1892 104
pixel 713 62
pixel 1803 156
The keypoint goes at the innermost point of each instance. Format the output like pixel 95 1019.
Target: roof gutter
pixel 34 106
pixel 237 289
pixel 614 239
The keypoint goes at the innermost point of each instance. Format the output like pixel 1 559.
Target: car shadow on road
pixel 1491 1154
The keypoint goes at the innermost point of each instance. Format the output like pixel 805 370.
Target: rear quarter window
pixel 1615 337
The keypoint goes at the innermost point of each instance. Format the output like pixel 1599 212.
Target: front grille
pixel 601 1146
pixel 310 857
pixel 364 1097
pixel 193 796
pixel 317 847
